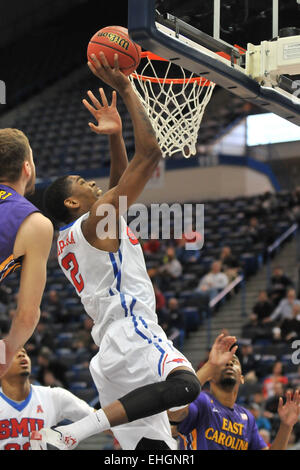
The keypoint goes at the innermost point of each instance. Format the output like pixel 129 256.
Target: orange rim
pixel 177 81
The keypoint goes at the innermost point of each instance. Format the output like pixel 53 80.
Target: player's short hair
pixel 14 150
pixel 54 198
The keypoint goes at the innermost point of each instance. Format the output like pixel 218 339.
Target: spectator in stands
pixel 271 405
pixel 41 337
pixel 54 306
pixel 258 398
pixel 172 269
pixel 152 246
pixel 284 311
pixel 83 340
pixel 50 369
pixel 290 328
pixel 294 378
pixel 262 309
pixel 189 246
pixel 269 202
pixel 176 323
pixel 247 361
pixel 230 264
pixel 253 230
pixel 261 421
pixel 213 282
pixel 277 376
pixel 159 297
pixel 280 282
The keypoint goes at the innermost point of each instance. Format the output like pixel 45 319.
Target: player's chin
pixel 228 379
pixel 25 373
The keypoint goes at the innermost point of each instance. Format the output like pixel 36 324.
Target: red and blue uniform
pixel 14 209
pixel 212 426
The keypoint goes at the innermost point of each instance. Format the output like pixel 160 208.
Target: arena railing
pixel 239 280
pixel 272 248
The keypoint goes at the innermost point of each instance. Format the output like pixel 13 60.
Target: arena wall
pixel 204 183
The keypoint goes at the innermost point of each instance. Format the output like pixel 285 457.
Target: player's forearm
pixel 206 373
pixel 146 145
pixel 22 328
pixel 118 158
pixel 282 437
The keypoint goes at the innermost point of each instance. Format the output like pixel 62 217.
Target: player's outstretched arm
pixel 289 415
pixel 36 234
pixel 147 151
pixel 109 123
pixel 221 353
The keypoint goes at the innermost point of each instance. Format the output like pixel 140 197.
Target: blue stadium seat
pixel 192 319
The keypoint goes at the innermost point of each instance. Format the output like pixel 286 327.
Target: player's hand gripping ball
pixel 112 40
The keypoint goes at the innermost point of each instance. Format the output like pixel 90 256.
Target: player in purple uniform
pixel 215 422
pixel 25 239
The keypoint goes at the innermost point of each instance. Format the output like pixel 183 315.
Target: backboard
pixel 266 73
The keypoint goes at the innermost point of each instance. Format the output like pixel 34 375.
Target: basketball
pixel 112 40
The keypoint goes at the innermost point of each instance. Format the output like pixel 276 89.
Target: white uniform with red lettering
pixel 118 295
pixel 44 407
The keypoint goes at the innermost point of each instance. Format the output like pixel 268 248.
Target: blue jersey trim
pixel 123 303
pixel 14 404
pixel 114 264
pixel 67 226
pixel 132 306
pixel 117 274
pixel 135 323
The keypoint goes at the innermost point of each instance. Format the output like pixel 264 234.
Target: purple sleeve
pixel 256 442
pixel 195 413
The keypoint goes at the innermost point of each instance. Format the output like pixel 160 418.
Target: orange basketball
pixel 112 40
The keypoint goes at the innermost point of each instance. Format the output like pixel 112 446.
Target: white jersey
pixel 43 408
pixel 111 286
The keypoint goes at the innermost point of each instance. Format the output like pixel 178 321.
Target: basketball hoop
pixel 175 106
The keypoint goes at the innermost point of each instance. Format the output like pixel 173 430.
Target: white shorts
pixel 134 353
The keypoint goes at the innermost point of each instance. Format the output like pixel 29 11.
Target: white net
pixel 174 106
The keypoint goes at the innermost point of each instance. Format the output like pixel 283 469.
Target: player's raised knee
pixel 185 387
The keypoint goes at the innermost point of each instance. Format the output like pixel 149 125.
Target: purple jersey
pixel 14 209
pixel 212 426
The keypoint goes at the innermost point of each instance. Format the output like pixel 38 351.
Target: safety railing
pixel 272 248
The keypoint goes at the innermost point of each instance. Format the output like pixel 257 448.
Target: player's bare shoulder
pixel 35 229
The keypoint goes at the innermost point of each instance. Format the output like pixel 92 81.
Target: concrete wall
pixel 204 183
pixel 275 151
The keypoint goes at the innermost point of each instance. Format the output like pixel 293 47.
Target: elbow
pixel 154 155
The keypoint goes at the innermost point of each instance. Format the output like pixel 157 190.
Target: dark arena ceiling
pixel 242 21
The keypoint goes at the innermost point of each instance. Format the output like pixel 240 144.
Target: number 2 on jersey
pixel 68 262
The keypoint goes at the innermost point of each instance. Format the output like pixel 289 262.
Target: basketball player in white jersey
pixel 138 372
pixel 27 408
